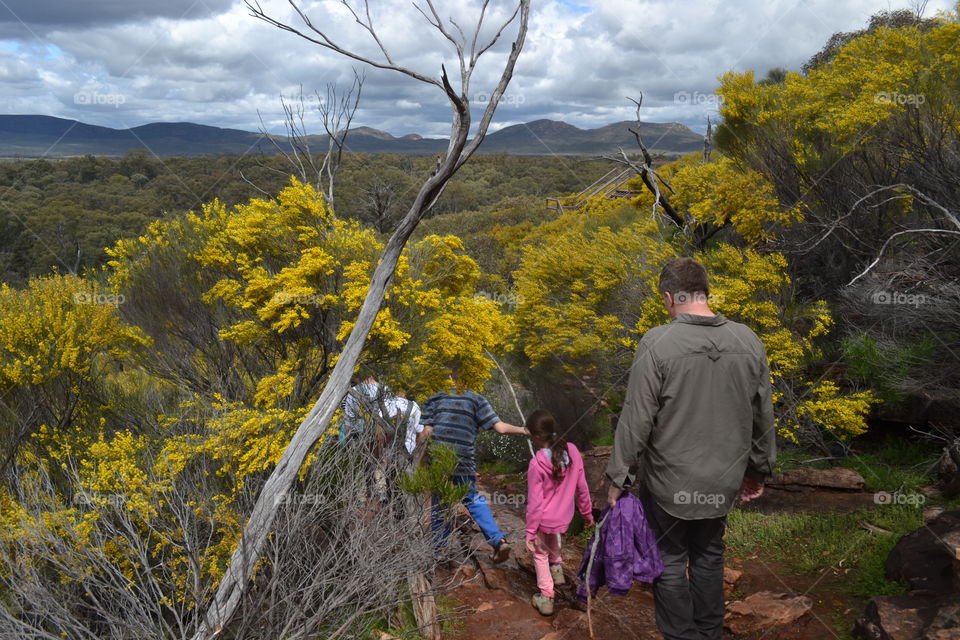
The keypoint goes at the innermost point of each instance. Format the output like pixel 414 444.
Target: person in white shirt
pixel 354 416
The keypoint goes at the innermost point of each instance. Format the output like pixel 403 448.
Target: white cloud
pixel 209 61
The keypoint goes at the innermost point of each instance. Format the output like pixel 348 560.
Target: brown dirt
pixel 831 607
pixel 504 613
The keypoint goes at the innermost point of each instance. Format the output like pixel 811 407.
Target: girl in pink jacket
pixel 554 478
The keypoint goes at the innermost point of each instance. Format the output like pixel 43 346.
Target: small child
pixel 554 477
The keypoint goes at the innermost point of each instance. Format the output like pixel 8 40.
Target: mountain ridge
pixel 24 135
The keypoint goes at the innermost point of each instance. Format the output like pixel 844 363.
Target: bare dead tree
pixel 697 232
pixel 380 200
pixel 468 47
pixel 645 170
pixel 336 114
pixel 708 141
pixel 337 109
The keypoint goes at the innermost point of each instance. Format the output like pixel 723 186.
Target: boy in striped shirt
pixel 456 418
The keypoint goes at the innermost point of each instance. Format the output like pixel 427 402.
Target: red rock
pixel 567 620
pixel 493 576
pixel 730 577
pixel 466 572
pixel 763 610
pixel 948 469
pixel 931 513
pixel 834 478
pixel 523 557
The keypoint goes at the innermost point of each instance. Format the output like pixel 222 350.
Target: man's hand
pixel 613 495
pixel 750 490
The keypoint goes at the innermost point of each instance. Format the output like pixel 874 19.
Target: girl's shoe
pixel 542 603
pixel 556 572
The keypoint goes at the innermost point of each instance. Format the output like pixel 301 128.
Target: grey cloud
pixel 211 63
pixel 40 15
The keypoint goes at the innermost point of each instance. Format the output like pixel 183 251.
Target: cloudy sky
pixel 123 63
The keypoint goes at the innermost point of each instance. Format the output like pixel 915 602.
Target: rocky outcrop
pixel 928 560
pixel 836 478
pixel 924 558
pixel 895 618
pixel 762 610
pixel 813 491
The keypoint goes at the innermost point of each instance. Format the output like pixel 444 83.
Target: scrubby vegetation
pixel 147 391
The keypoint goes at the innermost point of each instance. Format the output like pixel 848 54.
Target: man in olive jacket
pixel 697 425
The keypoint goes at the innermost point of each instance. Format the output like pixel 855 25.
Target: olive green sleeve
pixel 637 418
pixel 763 447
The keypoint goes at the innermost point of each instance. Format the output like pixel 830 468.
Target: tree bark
pixel 248 550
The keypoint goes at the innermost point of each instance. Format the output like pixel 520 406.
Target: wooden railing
pixel 606 186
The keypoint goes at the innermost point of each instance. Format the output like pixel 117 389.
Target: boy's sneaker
pixel 556 572
pixel 501 551
pixel 542 603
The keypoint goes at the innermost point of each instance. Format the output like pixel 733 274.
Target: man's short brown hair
pixel 684 275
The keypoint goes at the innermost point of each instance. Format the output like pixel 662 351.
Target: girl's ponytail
pixel 543 428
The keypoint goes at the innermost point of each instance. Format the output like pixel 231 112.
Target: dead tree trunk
pixel 468 49
pixel 708 141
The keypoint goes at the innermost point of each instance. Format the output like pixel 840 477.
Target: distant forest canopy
pixel 61 214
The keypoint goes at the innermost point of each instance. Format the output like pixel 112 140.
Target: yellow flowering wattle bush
pixel 587 287
pixel 222 328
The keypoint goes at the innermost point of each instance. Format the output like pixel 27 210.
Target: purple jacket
pixel 627 551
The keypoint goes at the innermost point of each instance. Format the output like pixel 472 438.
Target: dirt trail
pixel 495 600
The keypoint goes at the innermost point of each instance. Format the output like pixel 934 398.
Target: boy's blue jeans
pixel 476 504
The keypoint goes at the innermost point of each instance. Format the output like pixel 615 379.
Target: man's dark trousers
pixel 688 609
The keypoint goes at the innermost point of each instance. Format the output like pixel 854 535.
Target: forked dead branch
pixel 468 46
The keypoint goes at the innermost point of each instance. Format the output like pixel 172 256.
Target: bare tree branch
pixel 916 193
pixel 890 239
pixel 337 110
pixel 258 527
pixel 646 172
